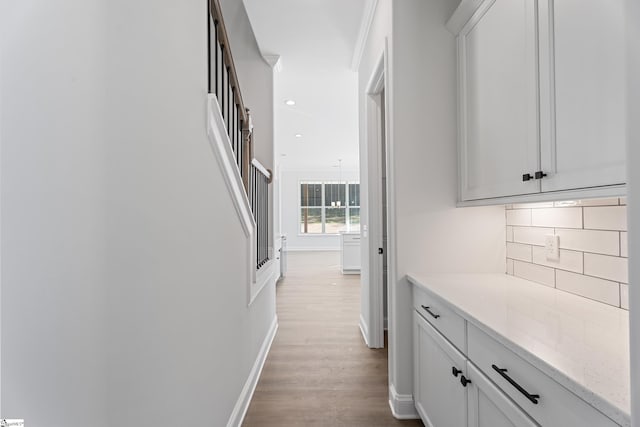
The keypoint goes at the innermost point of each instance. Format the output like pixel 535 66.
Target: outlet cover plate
pixel 552 247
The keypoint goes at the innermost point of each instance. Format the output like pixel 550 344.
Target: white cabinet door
pixel 490 407
pixel 351 256
pixel 582 93
pixel 498 123
pixel 440 398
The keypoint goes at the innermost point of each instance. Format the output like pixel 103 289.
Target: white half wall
pixel 290 208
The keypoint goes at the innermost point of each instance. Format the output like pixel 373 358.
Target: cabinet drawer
pixel 445 320
pixel 556 406
pixel 349 238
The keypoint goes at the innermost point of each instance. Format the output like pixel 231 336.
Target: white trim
pixel 242 404
pixel 364 330
pixel 633 178
pixel 261 168
pixel 402 405
pixel 312 249
pixel 378 82
pixel 267 274
pixel 463 13
pixel 585 193
pixel 274 61
pixel 392 261
pixel 221 145
pixel 363 34
pixel 226 159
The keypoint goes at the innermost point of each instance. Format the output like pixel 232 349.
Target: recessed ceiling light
pixel 290 102
pixel 298 135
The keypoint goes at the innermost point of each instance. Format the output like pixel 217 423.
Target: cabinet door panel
pixel 490 407
pixel 498 106
pixel 440 398
pixel 350 256
pixel 583 115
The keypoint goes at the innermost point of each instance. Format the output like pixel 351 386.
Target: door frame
pixel 378 83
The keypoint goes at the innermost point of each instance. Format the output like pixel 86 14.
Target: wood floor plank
pixel 319 371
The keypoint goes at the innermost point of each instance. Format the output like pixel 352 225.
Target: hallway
pixel 319 371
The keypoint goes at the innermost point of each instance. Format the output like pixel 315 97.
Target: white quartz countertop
pixel 580 343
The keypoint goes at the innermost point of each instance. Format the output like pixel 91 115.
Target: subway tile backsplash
pixel 593 247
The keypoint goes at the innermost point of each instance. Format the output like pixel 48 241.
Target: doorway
pixel 377 248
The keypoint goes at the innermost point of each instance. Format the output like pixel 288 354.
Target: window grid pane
pixel 329 208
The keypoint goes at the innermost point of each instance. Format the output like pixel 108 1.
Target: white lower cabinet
pixel 450 391
pixel 439 395
pixel 490 386
pixel 488 406
pixel 350 253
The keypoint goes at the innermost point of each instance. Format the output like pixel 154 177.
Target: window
pixel 329 207
pixel 311 208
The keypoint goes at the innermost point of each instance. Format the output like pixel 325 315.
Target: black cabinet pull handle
pixel 455 371
pixel 503 373
pixel 464 381
pixel 527 177
pixel 540 175
pixel 435 316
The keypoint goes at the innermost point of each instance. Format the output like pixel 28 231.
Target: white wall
pixel 431 234
pixel 290 185
pixel 54 346
pixel 633 157
pixel 124 287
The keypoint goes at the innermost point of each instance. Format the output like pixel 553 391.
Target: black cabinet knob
pixel 464 381
pixel 540 175
pixel 527 177
pixel 455 371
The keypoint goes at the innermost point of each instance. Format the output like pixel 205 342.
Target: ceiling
pixel 316 41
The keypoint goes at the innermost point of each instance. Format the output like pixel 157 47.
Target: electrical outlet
pixel 552 247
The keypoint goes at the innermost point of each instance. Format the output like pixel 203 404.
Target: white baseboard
pixel 364 330
pixel 240 409
pixel 402 405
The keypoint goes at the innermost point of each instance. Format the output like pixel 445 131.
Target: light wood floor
pixel 319 371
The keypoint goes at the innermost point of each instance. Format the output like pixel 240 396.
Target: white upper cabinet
pixel 582 93
pixel 541 97
pixel 498 112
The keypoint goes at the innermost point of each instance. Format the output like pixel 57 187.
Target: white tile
pixel 557 217
pixel 569 260
pixel 607 267
pixel 623 200
pixel 601 242
pixel 519 217
pixel 518 251
pixel 535 273
pixel 531 235
pixel 624 296
pixel 532 205
pixel 588 202
pixel 624 244
pixel 606 218
pixel 510 266
pixel 590 287
pixel 509 233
